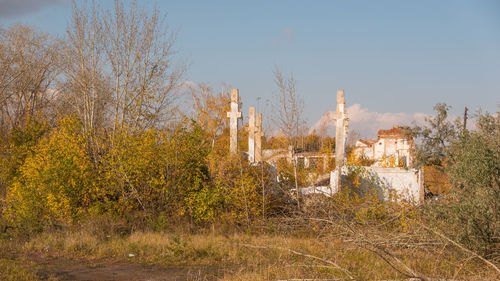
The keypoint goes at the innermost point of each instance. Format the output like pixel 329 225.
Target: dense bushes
pixel 155 171
pixel 174 174
pixel 19 145
pixel 54 185
pixel 246 191
pixel 472 211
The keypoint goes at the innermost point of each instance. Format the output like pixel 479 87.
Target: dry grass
pixel 11 270
pixel 263 256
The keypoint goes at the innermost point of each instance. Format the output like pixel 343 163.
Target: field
pixel 278 250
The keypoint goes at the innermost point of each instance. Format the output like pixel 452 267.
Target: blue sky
pixel 389 56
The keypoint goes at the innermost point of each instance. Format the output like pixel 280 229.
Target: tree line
pixel 89 126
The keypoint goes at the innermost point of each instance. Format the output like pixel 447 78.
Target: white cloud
pixel 367 123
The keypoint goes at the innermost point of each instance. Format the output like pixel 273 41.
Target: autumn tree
pixel 210 110
pixel 28 67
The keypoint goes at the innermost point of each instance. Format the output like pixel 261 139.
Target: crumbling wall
pixel 394 183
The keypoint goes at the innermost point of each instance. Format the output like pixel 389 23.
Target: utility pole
pixel 465 118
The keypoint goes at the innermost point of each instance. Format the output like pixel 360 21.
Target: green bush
pixel 471 213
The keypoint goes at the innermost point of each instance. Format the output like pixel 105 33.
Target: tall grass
pixel 260 256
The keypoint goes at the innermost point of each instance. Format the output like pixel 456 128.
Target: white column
pixel 258 138
pixel 234 115
pixel 251 134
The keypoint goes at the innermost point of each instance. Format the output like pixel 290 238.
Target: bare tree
pixel 288 117
pixel 28 66
pixel 119 64
pixel 86 86
pixel 353 137
pixel 139 49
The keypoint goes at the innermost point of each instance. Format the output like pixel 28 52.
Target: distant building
pixel 390 143
pixel 364 148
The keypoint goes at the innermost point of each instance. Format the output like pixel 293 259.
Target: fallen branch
pixel 377 250
pixel 461 247
pixel 347 272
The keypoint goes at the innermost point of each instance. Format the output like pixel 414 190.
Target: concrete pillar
pixel 340 130
pixel 340 133
pixel 258 138
pixel 233 116
pixel 251 134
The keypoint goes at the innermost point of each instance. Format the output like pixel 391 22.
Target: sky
pixel 394 59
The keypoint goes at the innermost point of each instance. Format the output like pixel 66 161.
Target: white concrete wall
pixel 390 147
pixel 366 152
pixel 398 147
pixel 397 183
pixel 379 149
pixel 325 190
pixel 404 184
pixel 403 147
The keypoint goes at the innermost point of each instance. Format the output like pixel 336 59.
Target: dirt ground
pixel 64 269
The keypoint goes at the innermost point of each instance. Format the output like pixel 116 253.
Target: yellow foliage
pixel 436 180
pixel 408 217
pixel 211 112
pixel 55 184
pixel 132 169
pixel 354 160
pixel 391 162
pixel 158 172
pixel 240 186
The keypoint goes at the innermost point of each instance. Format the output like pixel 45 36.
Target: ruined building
pixel 393 143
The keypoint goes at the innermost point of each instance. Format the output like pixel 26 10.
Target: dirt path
pixel 64 269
